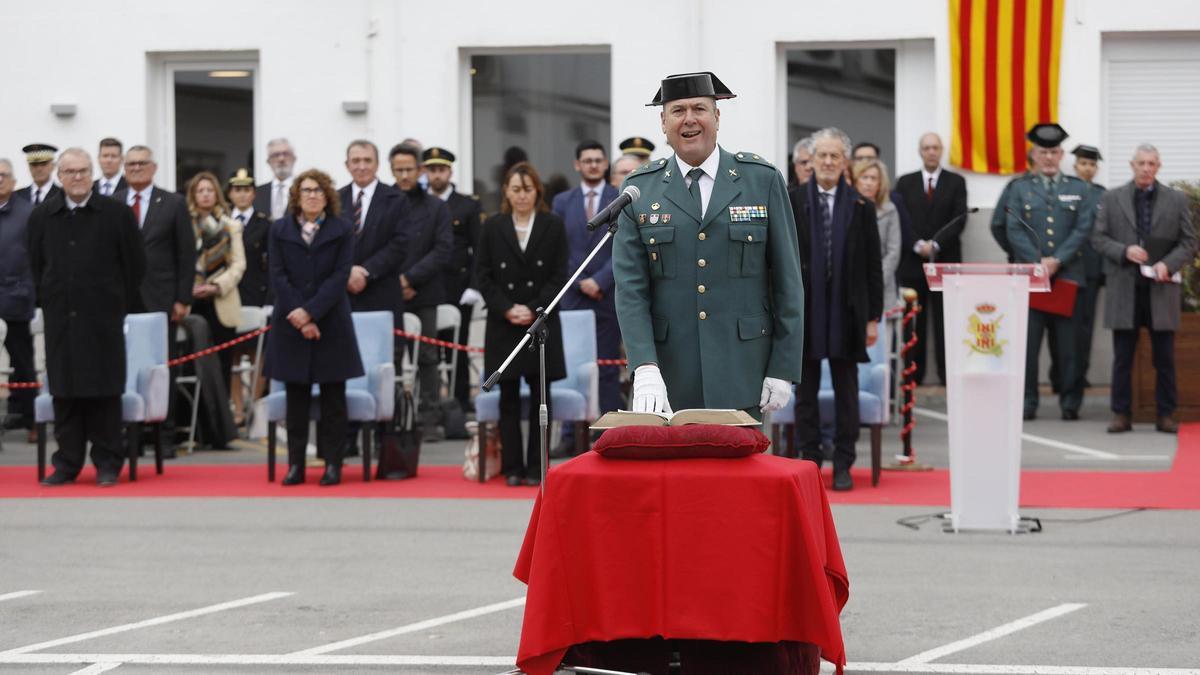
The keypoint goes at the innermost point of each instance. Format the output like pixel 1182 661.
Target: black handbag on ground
pixel 400 442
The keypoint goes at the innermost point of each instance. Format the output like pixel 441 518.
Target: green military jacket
pixel 1060 213
pixel 717 302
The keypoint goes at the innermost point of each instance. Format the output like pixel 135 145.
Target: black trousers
pixel 1064 344
pixel 19 344
pixel 220 333
pixel 698 657
pixel 331 425
pixel 79 420
pixel 1162 349
pixel 931 311
pixel 510 429
pixel 844 375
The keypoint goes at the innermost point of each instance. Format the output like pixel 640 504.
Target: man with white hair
pixel 272 197
pixel 802 160
pixel 86 256
pixel 1145 233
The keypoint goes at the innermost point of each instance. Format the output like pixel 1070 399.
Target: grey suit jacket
pixel 170 243
pixel 1172 241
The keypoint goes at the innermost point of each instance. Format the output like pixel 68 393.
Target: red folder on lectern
pixel 1060 300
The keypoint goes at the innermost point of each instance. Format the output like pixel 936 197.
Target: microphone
pixel 609 213
pixel 933 250
pixel 1037 239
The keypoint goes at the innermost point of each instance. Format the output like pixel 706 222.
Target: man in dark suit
pixel 843 291
pixel 1145 233
pixel 933 197
pixel 87 260
pixel 272 197
pixel 423 274
pixel 109 158
pixel 16 300
pixel 255 286
pixel 594 289
pixel 378 213
pixel 40 158
pixel 466 218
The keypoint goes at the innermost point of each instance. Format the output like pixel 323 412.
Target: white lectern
pixel 986 314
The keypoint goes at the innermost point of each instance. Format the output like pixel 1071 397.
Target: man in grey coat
pixel 1145 233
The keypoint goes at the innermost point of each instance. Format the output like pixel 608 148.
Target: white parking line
pixel 1040 440
pixel 97 668
pixel 988 635
pixel 233 604
pixel 17 594
pixel 412 627
pixel 347 660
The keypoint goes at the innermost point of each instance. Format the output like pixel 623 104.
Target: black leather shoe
pixel 57 478
pixel 1029 415
pixel 532 482
pixel 295 475
pixel 106 478
pixel 333 475
pixel 16 421
pixel 512 481
pixel 1120 424
pixel 1167 425
pixel 842 481
pixel 1070 415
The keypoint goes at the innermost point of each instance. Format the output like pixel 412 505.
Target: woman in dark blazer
pixel 312 339
pixel 521 263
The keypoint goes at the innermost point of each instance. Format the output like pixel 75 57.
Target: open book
pixel 628 418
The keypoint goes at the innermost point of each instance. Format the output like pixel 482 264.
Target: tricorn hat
pixel 690 85
pixel 1087 152
pixel 1046 135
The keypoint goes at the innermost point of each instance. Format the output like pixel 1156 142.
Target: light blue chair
pixel 873 394
pixel 147 389
pixel 574 399
pixel 370 399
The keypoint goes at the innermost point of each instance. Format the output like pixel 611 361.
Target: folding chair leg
pixel 270 452
pixel 367 430
pixel 41 450
pixel 876 452
pixel 483 436
pixel 158 448
pixel 133 443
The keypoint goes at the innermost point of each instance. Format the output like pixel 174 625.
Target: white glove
pixel 649 390
pixel 776 393
pixel 470 297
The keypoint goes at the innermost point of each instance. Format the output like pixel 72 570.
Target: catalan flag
pixel 1004 57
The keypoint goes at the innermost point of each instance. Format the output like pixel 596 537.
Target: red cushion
pixel 688 440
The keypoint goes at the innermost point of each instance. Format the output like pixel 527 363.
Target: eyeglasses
pixel 312 191
pixel 75 173
pixel 137 164
pixel 280 155
pixel 593 160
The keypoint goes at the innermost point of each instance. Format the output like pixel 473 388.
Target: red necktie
pixel 929 190
pixel 137 208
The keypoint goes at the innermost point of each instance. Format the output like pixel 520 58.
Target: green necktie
pixel 694 190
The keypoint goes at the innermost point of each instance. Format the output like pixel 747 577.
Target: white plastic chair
pixel 251 319
pixel 408 363
pixel 449 317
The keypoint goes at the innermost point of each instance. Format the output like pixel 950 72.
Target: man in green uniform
pixel 707 272
pixel 1049 218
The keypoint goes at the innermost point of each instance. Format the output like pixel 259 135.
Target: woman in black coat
pixel 312 337
pixel 521 263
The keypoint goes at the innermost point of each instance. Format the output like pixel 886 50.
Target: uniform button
pixel 700 288
pixel 529 283
pixel 539 263
pixel 701 262
pixel 703 315
pixel 1049 219
pixel 703 236
pixel 1050 232
pixel 1050 244
pixel 503 265
pixel 651 240
pixel 749 237
pixel 510 287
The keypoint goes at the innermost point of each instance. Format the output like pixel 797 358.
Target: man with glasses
pixel 272 197
pixel 86 257
pixel 594 289
pixel 16 300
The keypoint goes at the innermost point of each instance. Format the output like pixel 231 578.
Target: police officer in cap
pixel 466 217
pixel 40 158
pixel 1087 164
pixel 707 270
pixel 635 151
pixel 1049 221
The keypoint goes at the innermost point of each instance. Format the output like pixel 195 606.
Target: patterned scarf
pixel 214 249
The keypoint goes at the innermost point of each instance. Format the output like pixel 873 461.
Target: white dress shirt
pixel 709 167
pixel 241 216
pixel 109 185
pixel 926 176
pixel 367 193
pixel 444 195
pixel 277 210
pixel 144 207
pixel 72 205
pixel 38 193
pixel 598 188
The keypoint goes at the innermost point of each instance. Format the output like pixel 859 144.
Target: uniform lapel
pixel 676 190
pixel 153 207
pixel 726 188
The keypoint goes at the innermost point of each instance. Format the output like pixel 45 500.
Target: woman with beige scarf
pixel 220 263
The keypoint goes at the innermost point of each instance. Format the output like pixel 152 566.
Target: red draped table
pixel 716 549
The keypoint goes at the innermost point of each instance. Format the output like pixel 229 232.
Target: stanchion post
pixel 907 460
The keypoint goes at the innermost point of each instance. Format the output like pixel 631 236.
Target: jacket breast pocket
pixel 660 250
pixel 747 249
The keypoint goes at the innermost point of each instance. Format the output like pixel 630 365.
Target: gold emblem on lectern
pixel 983 332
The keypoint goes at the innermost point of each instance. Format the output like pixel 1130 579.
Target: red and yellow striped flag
pixel 1004 57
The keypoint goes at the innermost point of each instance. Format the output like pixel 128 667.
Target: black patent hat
pixel 1047 135
pixel 690 85
pixel 1087 152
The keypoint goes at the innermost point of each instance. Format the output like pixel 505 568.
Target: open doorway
pixel 214 122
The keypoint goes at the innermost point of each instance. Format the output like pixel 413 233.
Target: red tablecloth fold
pixel 718 549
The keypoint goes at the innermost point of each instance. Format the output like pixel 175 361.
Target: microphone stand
pixel 538 332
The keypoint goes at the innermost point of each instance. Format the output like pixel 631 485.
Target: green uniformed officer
pixel 1058 209
pixel 709 295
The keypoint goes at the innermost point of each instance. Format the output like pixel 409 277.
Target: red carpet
pixel 1178 488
